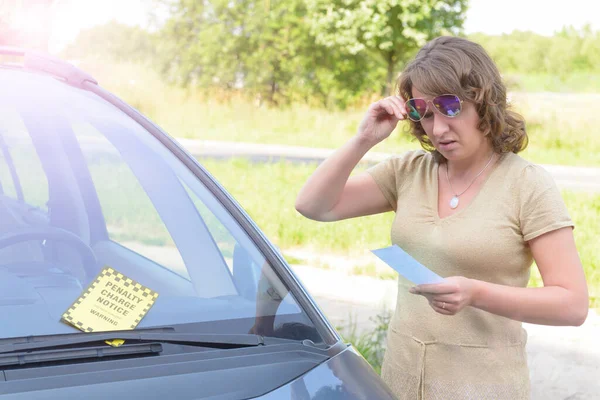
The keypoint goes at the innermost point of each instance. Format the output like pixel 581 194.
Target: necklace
pixel 454 200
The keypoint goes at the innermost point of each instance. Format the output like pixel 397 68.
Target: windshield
pixel 84 187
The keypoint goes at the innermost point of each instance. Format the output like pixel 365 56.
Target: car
pixel 94 195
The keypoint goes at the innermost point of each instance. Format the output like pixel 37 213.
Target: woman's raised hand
pixel 381 119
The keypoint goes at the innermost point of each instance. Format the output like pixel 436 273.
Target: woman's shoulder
pixel 536 197
pixel 524 170
pixel 526 178
pixel 400 169
pixel 411 160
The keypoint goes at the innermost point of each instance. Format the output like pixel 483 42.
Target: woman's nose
pixel 440 125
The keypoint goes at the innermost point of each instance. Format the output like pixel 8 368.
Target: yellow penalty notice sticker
pixel 112 302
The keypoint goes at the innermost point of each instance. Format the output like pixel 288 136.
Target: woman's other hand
pixel 381 119
pixel 449 297
pixel 263 326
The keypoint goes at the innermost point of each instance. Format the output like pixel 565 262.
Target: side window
pixel 131 218
pixel 6 178
pixel 245 263
pixel 221 235
pixel 21 173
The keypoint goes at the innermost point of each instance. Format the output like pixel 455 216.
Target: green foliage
pixel 568 52
pixel 372 344
pixel 331 52
pixel 575 82
pixel 261 47
pixel 391 30
pixel 561 127
pixel 262 188
pixel 112 42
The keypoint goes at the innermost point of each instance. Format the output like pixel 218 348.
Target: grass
pixel 577 82
pixel 562 127
pixel 268 191
pixel 262 188
pixel 371 269
pixel 370 344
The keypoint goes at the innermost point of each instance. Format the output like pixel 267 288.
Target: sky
pixel 488 16
pixel 540 16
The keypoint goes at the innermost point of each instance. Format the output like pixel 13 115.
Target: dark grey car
pixel 87 182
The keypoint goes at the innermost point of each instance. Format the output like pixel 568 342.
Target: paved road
pixel 574 178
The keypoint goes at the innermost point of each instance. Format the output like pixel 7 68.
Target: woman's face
pixel 455 138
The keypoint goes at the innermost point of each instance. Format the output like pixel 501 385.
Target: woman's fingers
pixel 397 107
pixel 436 288
pixel 448 298
pixel 392 106
pixel 399 102
pixel 446 304
pixel 443 308
pixel 387 107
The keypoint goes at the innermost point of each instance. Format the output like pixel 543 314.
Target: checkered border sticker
pixel 107 271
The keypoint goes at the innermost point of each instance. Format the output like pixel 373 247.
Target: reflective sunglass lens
pixel 448 104
pixel 416 109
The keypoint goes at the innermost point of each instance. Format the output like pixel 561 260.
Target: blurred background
pixel 302 72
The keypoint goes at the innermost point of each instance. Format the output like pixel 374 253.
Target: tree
pixel 261 46
pixel 113 41
pixel 279 50
pixel 391 30
pixel 254 44
pixel 568 51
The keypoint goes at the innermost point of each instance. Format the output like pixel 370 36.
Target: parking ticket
pixel 407 266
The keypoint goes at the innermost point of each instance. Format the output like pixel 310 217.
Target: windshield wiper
pixel 45 355
pixel 217 341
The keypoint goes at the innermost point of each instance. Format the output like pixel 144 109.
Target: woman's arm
pixel 329 194
pixel 268 299
pixel 562 301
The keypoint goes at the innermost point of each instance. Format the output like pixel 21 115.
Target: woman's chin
pixel 449 153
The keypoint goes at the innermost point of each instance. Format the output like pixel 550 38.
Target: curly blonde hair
pixel 459 66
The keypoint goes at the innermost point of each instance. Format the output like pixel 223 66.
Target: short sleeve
pixel 542 208
pixel 391 173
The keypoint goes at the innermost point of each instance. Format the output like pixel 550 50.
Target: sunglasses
pixel 446 104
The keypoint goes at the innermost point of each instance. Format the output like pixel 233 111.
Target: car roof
pixel 40 62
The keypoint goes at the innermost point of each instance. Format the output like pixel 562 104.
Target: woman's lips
pixel 447 144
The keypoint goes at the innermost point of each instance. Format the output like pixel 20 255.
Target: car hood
pixel 346 376
pixel 279 376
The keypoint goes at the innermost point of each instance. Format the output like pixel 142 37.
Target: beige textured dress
pixel 474 354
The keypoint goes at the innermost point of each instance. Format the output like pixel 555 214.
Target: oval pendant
pixel 454 202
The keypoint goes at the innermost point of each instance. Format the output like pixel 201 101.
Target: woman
pixel 472 210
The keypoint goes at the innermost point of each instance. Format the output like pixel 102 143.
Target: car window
pixel 21 174
pixel 138 209
pixel 6 176
pixel 131 219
